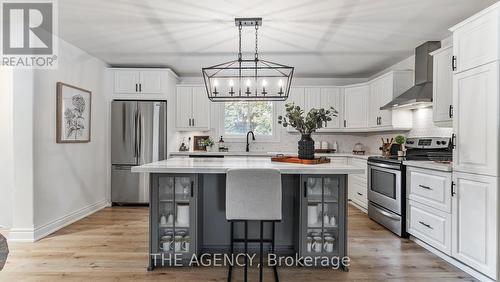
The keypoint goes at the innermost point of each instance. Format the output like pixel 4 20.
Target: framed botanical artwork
pixel 198 143
pixel 73 118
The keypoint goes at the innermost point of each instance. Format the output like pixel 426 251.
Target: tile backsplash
pixel 422 126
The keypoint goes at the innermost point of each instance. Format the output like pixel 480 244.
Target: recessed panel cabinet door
pixel 373 106
pixel 355 106
pixel 183 107
pixel 201 109
pixel 475 222
pixel 442 86
pixel 332 97
pixel 312 99
pixel 126 81
pixel 476 42
pixel 476 107
pixel 150 82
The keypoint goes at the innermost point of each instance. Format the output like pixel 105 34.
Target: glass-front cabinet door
pixel 322 212
pixel 174 221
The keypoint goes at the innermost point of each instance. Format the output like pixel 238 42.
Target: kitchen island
pixel 187 209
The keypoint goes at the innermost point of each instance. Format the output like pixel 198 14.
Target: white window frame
pixel 276 128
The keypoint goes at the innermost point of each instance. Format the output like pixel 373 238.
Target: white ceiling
pixel 329 38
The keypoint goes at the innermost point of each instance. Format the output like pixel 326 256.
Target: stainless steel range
pixel 387 180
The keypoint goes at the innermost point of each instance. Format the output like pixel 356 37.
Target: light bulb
pixel 248 83
pixel 280 83
pixel 264 83
pixel 216 83
pixel 231 83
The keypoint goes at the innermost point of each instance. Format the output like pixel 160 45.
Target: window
pixel 241 117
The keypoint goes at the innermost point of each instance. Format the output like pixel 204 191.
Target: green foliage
pixel 400 139
pixel 208 142
pixel 306 123
pixel 240 117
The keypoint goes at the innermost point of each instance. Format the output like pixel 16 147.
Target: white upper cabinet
pixel 383 90
pixel 183 105
pixel 150 82
pixel 332 97
pixel 475 222
pixel 476 40
pixel 138 81
pixel 442 91
pixel 311 98
pixel 192 109
pixel 126 81
pixel 201 109
pixel 476 120
pixel 355 104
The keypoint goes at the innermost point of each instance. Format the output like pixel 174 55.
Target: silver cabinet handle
pixel 425 224
pixel 425 187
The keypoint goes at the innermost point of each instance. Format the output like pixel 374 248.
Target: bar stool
pixel 253 195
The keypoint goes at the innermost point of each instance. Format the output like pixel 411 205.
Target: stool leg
pixel 261 265
pixel 231 250
pixel 273 248
pixel 246 251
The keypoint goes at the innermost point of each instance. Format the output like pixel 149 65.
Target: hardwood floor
pixel 111 245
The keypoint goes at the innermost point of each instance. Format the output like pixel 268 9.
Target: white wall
pixel 7 147
pixel 69 179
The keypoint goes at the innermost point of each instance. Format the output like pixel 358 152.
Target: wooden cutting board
pixel 296 160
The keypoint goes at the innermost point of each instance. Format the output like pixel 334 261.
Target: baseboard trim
pixel 474 273
pixel 53 226
pixel 21 235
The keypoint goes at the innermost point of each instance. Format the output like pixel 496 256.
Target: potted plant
pixel 400 140
pixel 306 124
pixel 208 143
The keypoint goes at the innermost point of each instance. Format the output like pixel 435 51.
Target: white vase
pixel 312 214
pixel 183 215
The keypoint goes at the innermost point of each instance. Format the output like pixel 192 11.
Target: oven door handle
pixel 387 214
pixel 395 167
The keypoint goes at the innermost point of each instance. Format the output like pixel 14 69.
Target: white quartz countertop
pixel 264 154
pixel 430 165
pixel 221 165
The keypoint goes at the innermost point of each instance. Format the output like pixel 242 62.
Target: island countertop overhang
pixel 221 165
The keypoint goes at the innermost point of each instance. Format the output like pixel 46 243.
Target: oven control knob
pixel 438 142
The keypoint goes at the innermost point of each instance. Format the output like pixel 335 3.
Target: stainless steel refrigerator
pixel 138 136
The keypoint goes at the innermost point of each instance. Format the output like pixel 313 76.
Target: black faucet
pixel 253 138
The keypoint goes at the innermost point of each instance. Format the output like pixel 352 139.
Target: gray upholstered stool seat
pixel 253 194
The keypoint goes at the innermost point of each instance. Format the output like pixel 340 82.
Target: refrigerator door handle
pixel 136 120
pixel 139 135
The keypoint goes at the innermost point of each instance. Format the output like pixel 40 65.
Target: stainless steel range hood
pixel 421 93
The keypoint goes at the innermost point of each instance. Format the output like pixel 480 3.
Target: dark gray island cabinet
pixel 187 211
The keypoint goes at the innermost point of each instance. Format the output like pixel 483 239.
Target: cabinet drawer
pixel 430 187
pixel 430 225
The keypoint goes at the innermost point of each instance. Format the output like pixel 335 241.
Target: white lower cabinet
pixel 430 225
pixel 429 207
pixel 475 222
pixel 357 185
pixel 459 218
